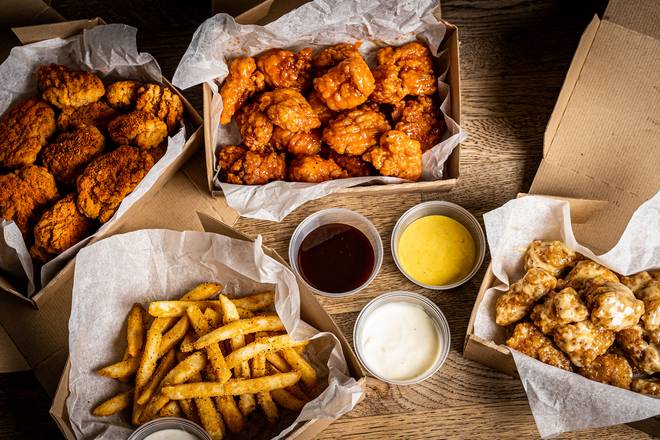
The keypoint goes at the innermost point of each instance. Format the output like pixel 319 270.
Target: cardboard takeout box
pixel 310 312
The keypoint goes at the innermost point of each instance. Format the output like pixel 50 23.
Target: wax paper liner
pixel 148 265
pixel 316 24
pixel 562 401
pixel 111 52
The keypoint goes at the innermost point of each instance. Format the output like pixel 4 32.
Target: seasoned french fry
pixel 233 387
pixel 298 363
pixel 255 302
pixel 137 408
pixel 186 369
pixel 177 308
pixel 278 362
pixel 188 410
pixel 240 327
pixel 263 397
pixel 121 369
pixel 163 368
pixel 173 336
pixel 210 418
pixel 172 409
pixel 135 330
pixel 230 413
pixel 202 292
pixel 287 400
pixel 273 343
pixel 294 389
pixel 149 354
pixel 212 317
pixel 201 326
pixel 244 313
pixel 114 404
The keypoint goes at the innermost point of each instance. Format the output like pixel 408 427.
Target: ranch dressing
pixel 399 341
pixel 171 434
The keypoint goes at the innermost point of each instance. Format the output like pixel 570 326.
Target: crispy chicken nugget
pixel 354 166
pixel 59 228
pixel 289 109
pixel 421 120
pixel 138 128
pixel 24 130
pixel 329 57
pixel 528 340
pixel 346 85
pixel 109 178
pixel 97 114
pixel 23 193
pixel 314 169
pixel 64 87
pixel 71 152
pixel 255 127
pixel 397 156
pixel 163 103
pixel 121 94
pixel 283 68
pixel 512 305
pixel 553 256
pixel 301 143
pixel 647 386
pixel 583 341
pixel 318 106
pixel 609 368
pixel 355 131
pixel 252 168
pixel 242 82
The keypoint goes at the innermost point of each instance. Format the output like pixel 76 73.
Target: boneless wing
pixel 355 131
pixel 314 169
pixel 396 155
pixel 64 87
pixel 71 152
pixel 121 94
pixel 302 143
pixel 583 341
pixel 609 368
pixel 587 273
pixel 283 68
pixel 250 168
pixel 161 102
pixel 354 166
pixel 528 340
pixel 644 353
pixel 242 82
pixel 97 114
pixel 614 306
pixel 138 128
pixel 24 130
pixel 559 308
pixel 346 85
pixel 329 57
pixel 420 119
pixel 515 303
pixel 553 256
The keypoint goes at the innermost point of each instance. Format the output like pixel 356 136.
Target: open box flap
pixel 603 137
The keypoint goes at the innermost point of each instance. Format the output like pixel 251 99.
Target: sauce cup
pixel 336 215
pixel 453 211
pixel 188 429
pixel 431 310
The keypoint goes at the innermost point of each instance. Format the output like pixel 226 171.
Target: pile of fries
pixel 211 361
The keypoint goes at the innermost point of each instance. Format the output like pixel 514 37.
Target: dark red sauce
pixel 336 258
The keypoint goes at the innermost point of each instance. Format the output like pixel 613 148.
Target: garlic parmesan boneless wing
pixel 609 368
pixel 583 341
pixel 651 297
pixel 647 386
pixel 553 256
pixel 529 340
pixel 516 302
pixel 559 308
pixel 587 272
pixel 637 281
pixel 643 353
pixel 614 307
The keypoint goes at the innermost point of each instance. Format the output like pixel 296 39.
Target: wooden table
pixel 514 55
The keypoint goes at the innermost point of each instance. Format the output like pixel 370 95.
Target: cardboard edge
pixel 65 29
pixel 256 13
pixel 209 148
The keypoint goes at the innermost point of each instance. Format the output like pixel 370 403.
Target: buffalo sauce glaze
pixel 336 258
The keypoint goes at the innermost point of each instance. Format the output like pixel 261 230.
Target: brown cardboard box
pixel 310 311
pixel 38 326
pixel 601 143
pixel 267 12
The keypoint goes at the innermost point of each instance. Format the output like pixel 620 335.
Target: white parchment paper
pixel 316 24
pixel 150 265
pixel 562 401
pixel 111 52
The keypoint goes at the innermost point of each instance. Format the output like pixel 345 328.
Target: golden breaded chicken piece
pixel 637 281
pixel 614 306
pixel 396 156
pixel 559 308
pixel 283 68
pixel 644 354
pixel 587 273
pixel 64 87
pixel 553 256
pixel 24 130
pixel 355 131
pixel 109 178
pixel 255 127
pixel 243 81
pixel 515 303
pixel 97 114
pixel 250 168
pixel 528 340
pixel 24 193
pixel 71 152
pixel 402 71
pixel 583 341
pixel 298 144
pixel 647 386
pixel 650 294
pixel 226 156
pixel 163 103
pixel 346 85
pixel 314 169
pixel 354 166
pixel 138 128
pixel 59 228
pixel 609 368
pixel 122 94
pixel 329 57
pixel 420 119
pixel 322 111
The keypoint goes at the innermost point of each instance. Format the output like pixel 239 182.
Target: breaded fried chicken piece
pixel 559 308
pixel 64 87
pixel 329 57
pixel 121 94
pixel 23 193
pixel 226 156
pixel 528 340
pixel 255 126
pixel 583 341
pixel 138 128
pixel 346 85
pixel 637 281
pixel 402 71
pixel 163 103
pixel 650 387
pixel 242 167
pixel 59 228
pixel 614 306
pixel 420 119
pixel 588 273
pixel 71 152
pixel 97 114
pixel 24 130
pixel 355 131
pixel 314 169
pixel 396 156
pixel 354 166
pixel 298 144
pixel 109 178
pixel 553 256
pixel 650 294
pixel 242 82
pixel 515 303
pixel 635 343
pixel 609 368
pixel 318 105
pixel 283 68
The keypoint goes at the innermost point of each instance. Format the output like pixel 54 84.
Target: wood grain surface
pixel 514 55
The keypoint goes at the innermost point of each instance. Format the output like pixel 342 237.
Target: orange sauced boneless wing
pixel 24 130
pixel 255 127
pixel 242 82
pixel 161 102
pixel 515 303
pixel 354 166
pixel 23 193
pixel 420 119
pixel 346 85
pixel 283 68
pixel 355 131
pixel 97 114
pixel 121 94
pixel 320 108
pixel 609 368
pixel 314 169
pixel 289 109
pixel 254 168
pixel 553 256
pixel 528 340
pixel 138 128
pixel 71 152
pixel 109 178
pixel 64 87
pixel 396 156
pixel 583 341
pixel 59 228
pixel 329 57
pixel 302 143
pixel 559 308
